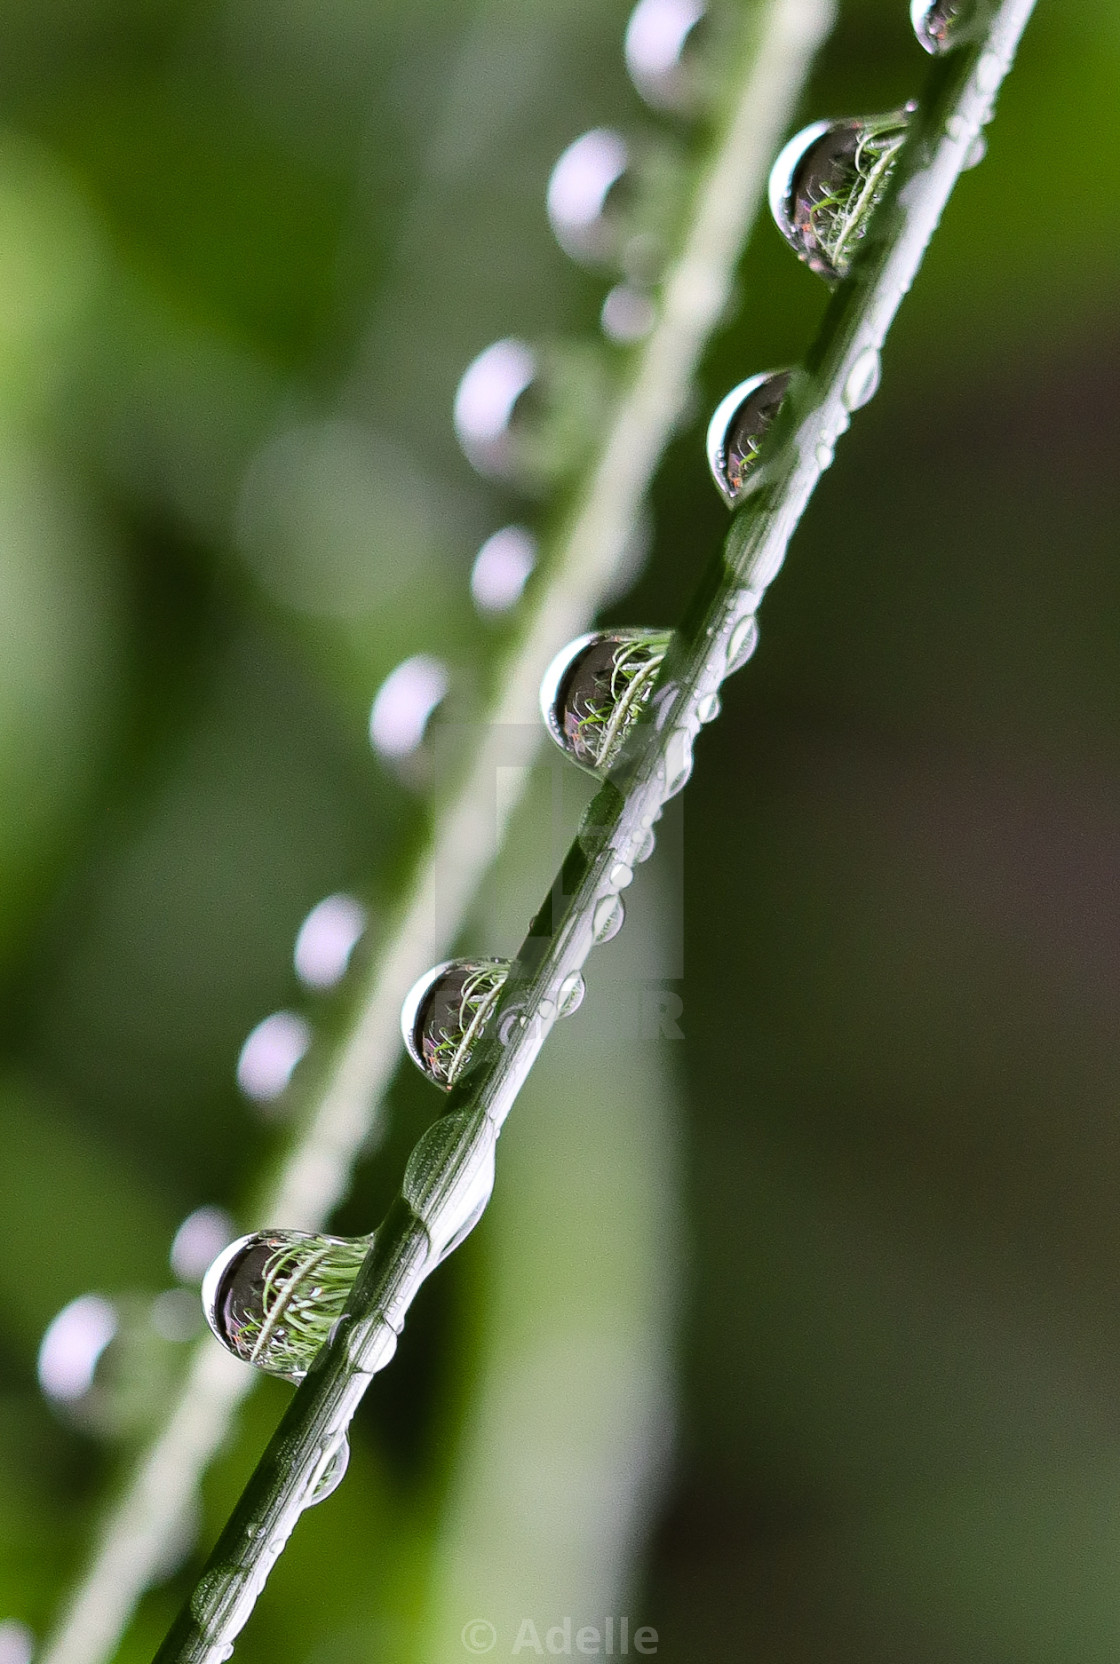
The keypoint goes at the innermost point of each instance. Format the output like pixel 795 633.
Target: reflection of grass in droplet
pixel 633 673
pixel 839 217
pixel 304 1292
pixel 449 1056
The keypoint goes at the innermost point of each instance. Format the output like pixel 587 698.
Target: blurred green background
pixel 796 1337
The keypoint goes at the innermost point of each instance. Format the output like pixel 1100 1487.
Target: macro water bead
pixel 594 690
pixel 942 24
pixel 828 181
pixel 446 1012
pixel 273 1298
pixel 737 428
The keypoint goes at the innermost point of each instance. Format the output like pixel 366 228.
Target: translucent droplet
pixel 621 875
pixel 976 152
pixel 486 399
pixel 644 848
pixel 569 996
pixel 17 1644
pixel 661 44
pixel 708 708
pixel 863 380
pixel 333 1474
pixel 501 569
pixel 199 1239
pixel 737 428
pixel 269 1056
pixel 587 193
pixel 446 1012
pixel 272 1298
pixel 628 314
pixel 327 937
pixel 825 455
pixel 529 416
pixel 404 704
pixel 678 761
pixel 608 918
pixel 109 1365
pixel 594 690
pixel 826 183
pixel 742 643
pixel 989 72
pixel 942 24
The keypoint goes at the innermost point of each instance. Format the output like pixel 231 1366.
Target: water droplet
pixel 269 1056
pixel 628 314
pixel 678 761
pixel 742 643
pixel 826 183
pixel 587 194
pixel 333 1474
pixel 956 127
pixel 569 996
pixel 404 705
pixel 737 428
pixel 594 690
pixel 608 918
pixel 487 396
pixel 825 455
pixel 202 1235
pixel 942 24
pixel 446 1012
pixel 327 937
pixel 272 1298
pixel 501 569
pixel 529 417
pixel 863 379
pixel 709 707
pixel 976 152
pixel 661 47
pixel 620 875
pixel 644 848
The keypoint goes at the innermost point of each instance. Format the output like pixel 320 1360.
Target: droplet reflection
pixel 738 426
pixel 826 184
pixel 942 24
pixel 446 1012
pixel 594 690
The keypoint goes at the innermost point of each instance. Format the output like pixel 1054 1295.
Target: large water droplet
pixel 608 918
pixel 445 1013
pixel 863 380
pixel 569 995
pixel 587 194
pixel 942 24
pixel 594 690
pixel 661 47
pixel 737 428
pixel 272 1298
pixel 826 183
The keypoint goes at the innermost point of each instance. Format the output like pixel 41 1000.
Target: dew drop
pixel 488 394
pixel 709 707
pixel 620 875
pixel 608 918
pixel 942 24
pixel 956 127
pixel 327 937
pixel 644 848
pixel 586 198
pixel 678 761
pixel 863 380
pixel 628 314
pixel 977 151
pixel 661 49
pixel 272 1298
pixel 569 996
pixel 594 690
pixel 446 1012
pixel 743 641
pixel 738 426
pixel 826 183
pixel 269 1057
pixel 404 705
pixel 501 569
pixel 333 1474
pixel 825 454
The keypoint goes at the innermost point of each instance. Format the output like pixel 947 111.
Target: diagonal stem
pixel 315 1171
pixel 453 1162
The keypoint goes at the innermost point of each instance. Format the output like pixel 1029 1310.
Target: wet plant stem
pixel 452 1165
pixel 313 1175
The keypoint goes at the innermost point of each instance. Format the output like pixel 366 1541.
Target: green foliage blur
pixel 796 1337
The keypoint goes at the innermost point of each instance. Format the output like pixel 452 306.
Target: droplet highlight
pixel 595 689
pixel 827 182
pixel 709 707
pixel 738 426
pixel 446 1013
pixel 326 939
pixel 587 196
pixel 269 1057
pixel 502 568
pixel 608 918
pixel 272 1298
pixel 662 50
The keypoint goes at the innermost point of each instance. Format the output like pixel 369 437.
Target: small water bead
pixel 569 995
pixel 678 761
pixel 628 314
pixel 825 455
pixel 738 426
pixel 608 918
pixel 620 875
pixel 827 182
pixel 976 152
pixel 587 193
pixel 333 1474
pixel 644 848
pixel 272 1298
pixel 942 24
pixel 742 643
pixel 863 379
pixel 502 568
pixel 446 1012
pixel 595 689
pixel 661 48
pixel 327 937
pixel 709 707
pixel 268 1059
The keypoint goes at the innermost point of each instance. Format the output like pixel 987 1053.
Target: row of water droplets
pixel 273 1298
